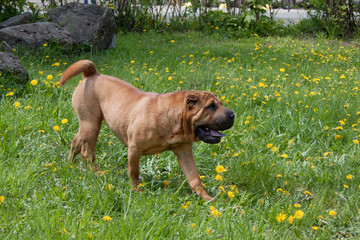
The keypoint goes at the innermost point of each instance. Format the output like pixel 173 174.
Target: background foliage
pixel 335 18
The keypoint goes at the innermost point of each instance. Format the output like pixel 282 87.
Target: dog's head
pixel 206 116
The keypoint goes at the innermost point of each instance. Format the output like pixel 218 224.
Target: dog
pixel 146 122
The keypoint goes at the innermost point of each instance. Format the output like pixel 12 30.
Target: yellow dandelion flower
pixel 342 122
pixel 2 199
pixel 291 219
pixel 284 155
pixel 339 128
pixel 218 177
pixel 346 186
pixel 45 44
pixel 216 213
pixel 332 213
pixel 315 228
pixel 50 77
pixel 270 145
pixel 169 78
pixel 299 214
pixel 274 149
pixel 208 231
pixel 337 137
pixel 16 104
pixel 349 177
pixel 186 205
pixel 220 169
pixel 231 194
pixel 297 205
pixel 110 187
pixel 355 141
pixel 56 128
pixel 64 121
pixel 281 217
pixel 34 82
pixel 279 176
pixel 107 218
pixel 327 154
pixel 282 69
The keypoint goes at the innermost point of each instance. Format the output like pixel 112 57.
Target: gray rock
pixel 88 23
pixel 18 20
pixel 34 35
pixel 10 64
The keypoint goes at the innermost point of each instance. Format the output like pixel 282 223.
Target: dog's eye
pixel 212 106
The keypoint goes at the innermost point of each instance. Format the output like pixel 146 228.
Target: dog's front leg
pixel 188 167
pixel 133 165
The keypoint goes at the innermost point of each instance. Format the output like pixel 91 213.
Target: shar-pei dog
pixel 146 122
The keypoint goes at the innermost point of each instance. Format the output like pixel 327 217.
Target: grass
pixel 291 158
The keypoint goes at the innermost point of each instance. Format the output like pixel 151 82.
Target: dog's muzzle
pixel 212 134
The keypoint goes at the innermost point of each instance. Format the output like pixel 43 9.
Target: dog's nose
pixel 231 115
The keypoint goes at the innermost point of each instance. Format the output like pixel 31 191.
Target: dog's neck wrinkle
pixel 181 129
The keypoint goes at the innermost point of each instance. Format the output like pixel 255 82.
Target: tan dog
pixel 147 122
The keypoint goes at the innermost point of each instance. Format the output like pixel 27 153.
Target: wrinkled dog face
pixel 208 116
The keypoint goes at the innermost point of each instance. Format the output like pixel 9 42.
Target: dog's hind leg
pixel 89 132
pixel 75 147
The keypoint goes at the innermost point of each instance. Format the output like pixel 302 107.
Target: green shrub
pixel 9 8
pixel 336 18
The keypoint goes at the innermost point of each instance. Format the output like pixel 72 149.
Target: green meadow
pixel 287 169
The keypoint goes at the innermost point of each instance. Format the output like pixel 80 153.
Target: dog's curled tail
pixel 86 67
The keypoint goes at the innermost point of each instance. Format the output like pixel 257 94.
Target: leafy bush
pixel 335 18
pixel 9 8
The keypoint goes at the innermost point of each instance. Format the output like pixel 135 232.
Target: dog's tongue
pixel 216 133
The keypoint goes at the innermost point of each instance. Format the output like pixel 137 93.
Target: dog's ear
pixel 191 100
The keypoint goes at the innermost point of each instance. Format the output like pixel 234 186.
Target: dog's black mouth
pixel 208 135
